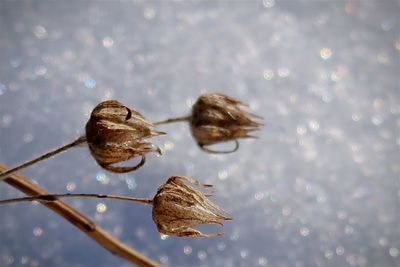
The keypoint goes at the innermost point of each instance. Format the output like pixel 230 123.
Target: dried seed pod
pixel 116 133
pixel 177 207
pixel 219 118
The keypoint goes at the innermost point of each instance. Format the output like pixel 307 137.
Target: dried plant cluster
pixel 116 133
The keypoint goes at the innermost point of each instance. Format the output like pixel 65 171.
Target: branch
pixel 171 120
pixel 55 197
pixel 7 172
pixel 80 221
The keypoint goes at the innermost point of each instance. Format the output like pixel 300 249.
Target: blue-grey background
pixel 320 187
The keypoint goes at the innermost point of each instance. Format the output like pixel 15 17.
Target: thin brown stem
pixel 171 120
pixel 80 140
pixel 84 224
pixel 54 197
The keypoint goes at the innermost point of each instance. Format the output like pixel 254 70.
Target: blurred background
pixel 320 187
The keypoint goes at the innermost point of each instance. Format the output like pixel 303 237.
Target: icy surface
pixel 320 187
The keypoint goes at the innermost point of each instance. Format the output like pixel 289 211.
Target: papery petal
pixel 178 206
pixel 116 133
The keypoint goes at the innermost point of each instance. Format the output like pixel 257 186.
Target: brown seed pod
pixel 177 207
pixel 220 118
pixel 116 133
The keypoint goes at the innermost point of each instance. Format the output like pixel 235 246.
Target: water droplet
pixel 169 145
pixel 382 58
pixel 325 53
pixel 262 261
pixel 397 44
pixel 131 183
pixel 301 130
pixel 163 259
pixel 27 138
pixel 244 253
pixel 268 74
pixel 349 230
pixel 140 233
pixel 202 255
pixel 6 120
pixel 383 242
pixel 40 32
pixel 187 250
pixel 283 72
pixel 40 70
pixel 394 252
pixel 221 246
pixel 376 120
pixel 2 88
pixel 101 208
pixel 149 13
pixel 37 231
pixel 313 125
pixel 286 211
pixel 259 195
pixel 268 3
pixel 340 250
pixel 304 231
pixel 102 178
pixel 15 63
pixel 328 254
pixel 222 175
pixel 355 117
pixel 71 186
pixel 108 42
pixel 378 103
pixel 24 260
pixel 90 83
pixel 8 259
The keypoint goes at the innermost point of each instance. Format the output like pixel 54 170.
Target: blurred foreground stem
pixel 5 173
pixel 84 224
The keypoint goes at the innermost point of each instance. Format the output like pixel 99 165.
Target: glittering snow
pixel 320 187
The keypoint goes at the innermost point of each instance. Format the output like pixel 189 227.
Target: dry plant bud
pixel 220 118
pixel 116 133
pixel 177 207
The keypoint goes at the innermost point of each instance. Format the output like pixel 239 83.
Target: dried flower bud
pixel 219 118
pixel 178 207
pixel 116 133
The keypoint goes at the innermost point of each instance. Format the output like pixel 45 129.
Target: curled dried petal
pixel 116 133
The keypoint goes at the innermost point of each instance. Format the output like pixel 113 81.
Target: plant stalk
pixel 171 120
pixel 6 173
pixel 84 224
pixel 54 197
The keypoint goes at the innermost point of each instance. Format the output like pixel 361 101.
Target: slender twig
pixel 54 197
pixel 170 120
pixel 80 140
pixel 84 224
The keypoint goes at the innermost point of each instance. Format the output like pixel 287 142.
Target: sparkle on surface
pixel 319 187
